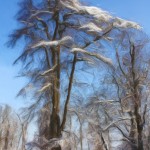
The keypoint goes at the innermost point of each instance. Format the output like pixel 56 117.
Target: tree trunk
pixel 55 131
pixel 139 130
pixel 6 144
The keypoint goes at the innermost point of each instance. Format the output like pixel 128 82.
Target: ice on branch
pixel 63 41
pixel 98 56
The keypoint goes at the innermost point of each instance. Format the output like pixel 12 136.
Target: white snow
pixel 96 55
pixel 64 40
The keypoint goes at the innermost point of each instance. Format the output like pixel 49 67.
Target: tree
pixel 132 82
pixel 59 36
pixel 121 101
pixel 10 138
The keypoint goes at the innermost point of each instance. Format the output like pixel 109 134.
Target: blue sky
pixel 9 84
pixel 135 10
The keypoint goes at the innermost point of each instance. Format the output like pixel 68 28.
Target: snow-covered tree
pixel 59 36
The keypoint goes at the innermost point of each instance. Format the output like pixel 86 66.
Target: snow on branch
pixel 99 14
pixel 90 10
pixel 45 87
pixel 98 56
pixel 120 23
pixel 91 28
pixel 49 70
pixel 63 41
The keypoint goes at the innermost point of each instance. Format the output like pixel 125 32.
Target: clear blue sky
pixel 135 10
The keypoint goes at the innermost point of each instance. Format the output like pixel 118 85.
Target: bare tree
pixel 11 130
pixel 122 101
pixel 132 81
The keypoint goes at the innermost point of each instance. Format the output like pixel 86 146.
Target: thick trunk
pixel 55 126
pixel 139 130
pixel 132 133
pixel 6 138
pixel 55 119
pixel 55 131
pixel 136 132
pixel 137 101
